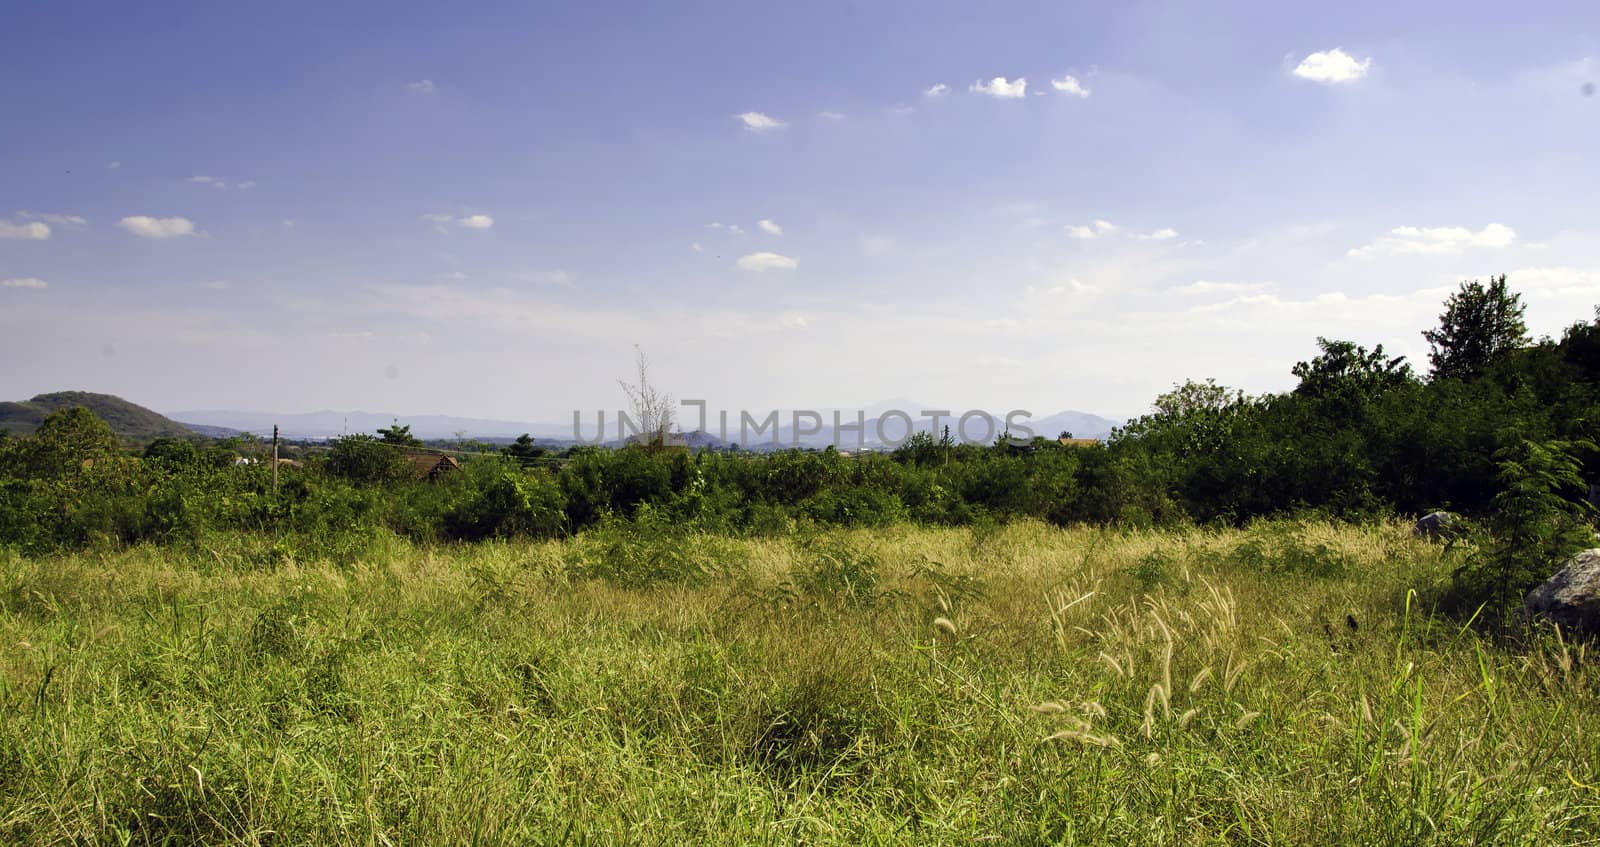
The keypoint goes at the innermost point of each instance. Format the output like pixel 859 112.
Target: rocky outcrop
pixel 1437 526
pixel 1571 598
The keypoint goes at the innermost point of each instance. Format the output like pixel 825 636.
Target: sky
pixel 480 209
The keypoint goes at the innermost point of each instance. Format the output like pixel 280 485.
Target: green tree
pixel 399 436
pixel 1348 371
pixel 1480 324
pixel 1538 521
pixel 363 458
pixel 69 438
pixel 523 449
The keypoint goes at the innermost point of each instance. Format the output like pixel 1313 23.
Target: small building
pixel 431 466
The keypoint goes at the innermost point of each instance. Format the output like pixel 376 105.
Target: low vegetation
pixel 1283 683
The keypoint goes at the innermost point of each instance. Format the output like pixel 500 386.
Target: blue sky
pixel 478 209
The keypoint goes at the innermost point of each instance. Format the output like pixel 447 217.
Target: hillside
pixel 128 420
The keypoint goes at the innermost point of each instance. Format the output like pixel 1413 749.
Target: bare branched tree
pixel 652 408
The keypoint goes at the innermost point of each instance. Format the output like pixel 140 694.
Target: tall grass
pixel 1285 683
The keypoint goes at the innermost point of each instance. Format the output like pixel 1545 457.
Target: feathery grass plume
pixel 1246 719
pixel 946 625
pixel 1093 709
pixel 1366 709
pixel 1183 719
pixel 1083 738
pixel 1050 708
pixel 1152 759
pixel 1199 679
pixel 1231 676
pixel 1115 665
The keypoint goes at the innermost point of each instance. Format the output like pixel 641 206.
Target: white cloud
pixel 768 227
pixel 758 122
pixel 695 246
pixel 794 321
pixel 732 229
pixel 831 116
pixel 561 278
pixel 765 261
pixel 1069 85
pixel 221 184
pixel 1106 229
pixel 1002 88
pixel 442 222
pixel 1332 66
pixel 1436 240
pixel 1202 286
pixel 113 165
pixel 24 282
pixel 1097 229
pixel 938 90
pixel 423 87
pixel 148 227
pixel 31 231
pixel 54 218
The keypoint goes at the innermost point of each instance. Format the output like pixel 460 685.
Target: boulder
pixel 1436 526
pixel 1571 598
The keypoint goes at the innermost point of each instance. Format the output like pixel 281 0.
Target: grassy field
pixel 1277 685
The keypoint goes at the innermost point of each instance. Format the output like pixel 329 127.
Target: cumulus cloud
pixel 145 226
pixel 768 227
pixel 1069 85
pixel 1097 229
pixel 1331 67
pixel 759 122
pixel 443 222
pixel 1106 229
pixel 24 282
pixel 423 87
pixel 1436 241
pixel 938 90
pixel 30 231
pixel 766 261
pixel 1002 88
pixel 695 246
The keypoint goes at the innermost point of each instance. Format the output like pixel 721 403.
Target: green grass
pixel 1026 685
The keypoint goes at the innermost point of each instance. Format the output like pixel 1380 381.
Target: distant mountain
pixel 331 424
pixel 128 420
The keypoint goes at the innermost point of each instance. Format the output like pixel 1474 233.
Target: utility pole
pixel 274 460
